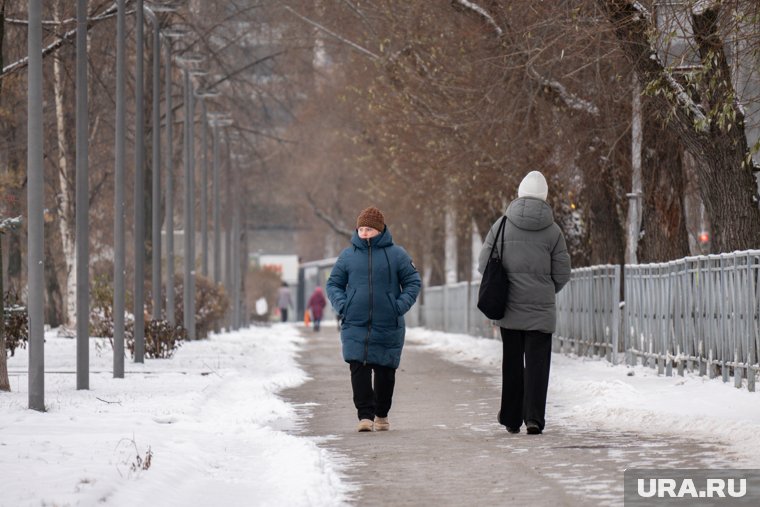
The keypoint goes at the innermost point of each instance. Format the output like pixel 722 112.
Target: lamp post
pixel 169 35
pixel 202 95
pixel 139 190
pixel 233 271
pixel 82 203
pixel 156 167
pixel 35 203
pixel 119 250
pixel 156 148
pixel 189 66
pixel 228 274
pixel 217 122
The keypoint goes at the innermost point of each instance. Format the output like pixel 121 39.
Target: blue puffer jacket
pixel 372 285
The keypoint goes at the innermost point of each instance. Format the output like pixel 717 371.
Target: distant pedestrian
pixel 538 266
pixel 284 301
pixel 316 306
pixel 372 285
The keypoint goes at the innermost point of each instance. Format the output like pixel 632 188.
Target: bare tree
pixel 706 115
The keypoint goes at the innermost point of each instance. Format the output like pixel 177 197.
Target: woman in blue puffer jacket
pixel 372 285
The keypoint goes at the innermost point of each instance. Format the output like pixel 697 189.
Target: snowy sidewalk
pixel 445 447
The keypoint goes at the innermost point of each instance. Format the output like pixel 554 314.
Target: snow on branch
pixel 10 223
pixel 482 13
pixel 638 6
pixel 637 21
pixel 571 100
pixel 683 98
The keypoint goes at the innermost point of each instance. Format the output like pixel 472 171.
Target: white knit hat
pixel 533 185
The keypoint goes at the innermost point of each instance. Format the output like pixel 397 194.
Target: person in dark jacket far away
pixel 372 285
pixel 316 306
pixel 538 266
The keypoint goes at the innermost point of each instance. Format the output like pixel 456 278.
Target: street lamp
pixel 82 203
pixel 235 275
pixel 156 153
pixel 217 121
pixel 189 64
pixel 119 250
pixel 35 203
pixel 169 35
pixel 202 95
pixel 139 190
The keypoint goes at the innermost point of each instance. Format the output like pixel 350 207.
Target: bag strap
pixel 500 231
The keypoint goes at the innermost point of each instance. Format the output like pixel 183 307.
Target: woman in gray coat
pixel 538 266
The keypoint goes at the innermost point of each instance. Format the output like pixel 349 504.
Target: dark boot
pixel 533 428
pixel 509 429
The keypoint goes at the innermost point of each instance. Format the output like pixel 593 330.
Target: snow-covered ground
pixel 592 393
pixel 210 417
pixel 218 434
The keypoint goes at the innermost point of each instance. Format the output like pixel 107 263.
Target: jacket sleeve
pixel 410 281
pixel 485 250
pixel 336 285
pixel 560 263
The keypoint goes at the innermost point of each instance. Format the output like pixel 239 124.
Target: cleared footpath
pixel 446 448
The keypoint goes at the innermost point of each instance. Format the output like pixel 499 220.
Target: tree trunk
pixel 65 205
pixel 664 219
pixel 712 127
pixel 14 242
pixel 14 260
pixel 604 225
pixel 5 384
pixel 54 303
pixel 728 186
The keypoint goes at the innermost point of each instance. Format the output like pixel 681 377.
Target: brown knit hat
pixel 371 217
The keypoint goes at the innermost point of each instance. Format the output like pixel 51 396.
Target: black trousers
pixel 371 402
pixel 525 376
pixel 284 314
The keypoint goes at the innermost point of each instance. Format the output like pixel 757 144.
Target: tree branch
pixel 550 87
pixel 52 47
pixel 632 23
pixel 335 35
pixel 327 219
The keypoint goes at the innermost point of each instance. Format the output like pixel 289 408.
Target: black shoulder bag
pixel 492 295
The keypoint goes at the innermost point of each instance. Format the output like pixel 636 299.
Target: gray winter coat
pixel 537 263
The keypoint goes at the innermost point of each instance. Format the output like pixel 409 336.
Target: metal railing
pixel 698 314
pixel 453 309
pixel 588 312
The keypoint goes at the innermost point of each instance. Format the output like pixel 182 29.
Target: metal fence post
pixel 616 321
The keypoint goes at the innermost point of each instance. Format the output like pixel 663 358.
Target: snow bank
pixel 211 418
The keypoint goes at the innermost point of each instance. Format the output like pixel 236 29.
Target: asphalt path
pixel 446 448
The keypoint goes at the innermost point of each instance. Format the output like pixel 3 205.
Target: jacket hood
pixel 382 240
pixel 530 213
